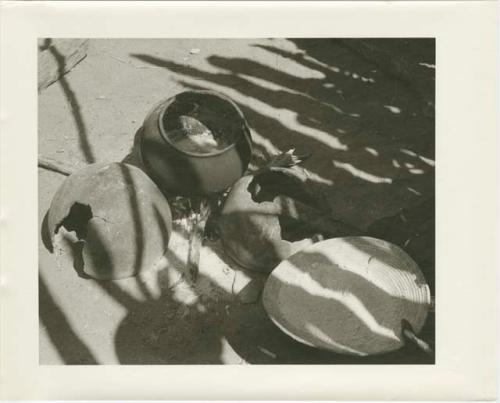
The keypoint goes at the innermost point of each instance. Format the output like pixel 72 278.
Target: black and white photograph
pixel 236 201
pixel 249 201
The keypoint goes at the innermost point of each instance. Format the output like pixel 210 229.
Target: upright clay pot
pixel 188 173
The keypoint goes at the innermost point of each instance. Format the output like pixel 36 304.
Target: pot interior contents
pixel 202 123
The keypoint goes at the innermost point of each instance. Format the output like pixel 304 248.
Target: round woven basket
pixel 348 295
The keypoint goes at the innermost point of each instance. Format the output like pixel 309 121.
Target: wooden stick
pixel 55 165
pixel 410 335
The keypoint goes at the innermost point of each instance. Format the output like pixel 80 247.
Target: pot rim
pixel 165 136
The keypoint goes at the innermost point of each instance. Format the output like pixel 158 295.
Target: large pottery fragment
pixel 119 220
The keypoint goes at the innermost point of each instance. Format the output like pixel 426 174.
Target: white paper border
pixel 467 202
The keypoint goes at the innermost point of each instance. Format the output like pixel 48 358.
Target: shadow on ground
pixel 370 134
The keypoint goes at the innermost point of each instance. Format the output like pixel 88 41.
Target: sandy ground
pixel 371 136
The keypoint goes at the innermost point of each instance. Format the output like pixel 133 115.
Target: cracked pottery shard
pixel 119 216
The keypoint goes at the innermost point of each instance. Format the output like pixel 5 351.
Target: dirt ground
pixel 368 125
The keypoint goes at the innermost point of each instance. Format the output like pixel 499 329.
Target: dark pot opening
pixel 202 123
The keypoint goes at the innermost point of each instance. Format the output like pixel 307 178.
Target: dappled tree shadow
pixel 253 335
pixel 163 330
pixel 369 134
pixel 364 127
pixel 412 229
pixel 146 334
pixel 73 102
pixel 70 347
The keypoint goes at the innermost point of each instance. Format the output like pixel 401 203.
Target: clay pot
pixel 118 217
pixel 349 295
pixel 268 217
pixel 251 231
pixel 184 171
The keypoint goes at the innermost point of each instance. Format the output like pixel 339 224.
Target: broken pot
pixel 119 220
pixel 268 216
pixel 195 143
pixel 251 231
pixel 351 295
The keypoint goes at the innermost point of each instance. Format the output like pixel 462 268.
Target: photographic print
pixel 236 201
